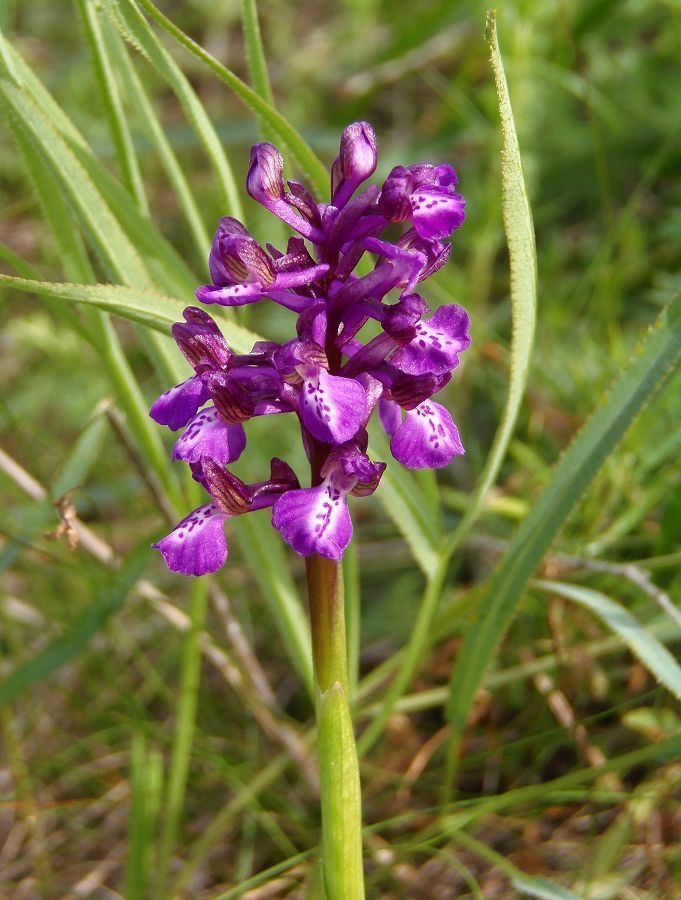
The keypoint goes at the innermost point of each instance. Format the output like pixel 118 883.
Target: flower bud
pixel 265 179
pixel 358 151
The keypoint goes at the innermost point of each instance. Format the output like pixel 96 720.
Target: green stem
pixel 337 754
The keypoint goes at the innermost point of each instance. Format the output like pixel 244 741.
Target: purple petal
pixel 208 435
pixel 390 415
pixel 234 295
pixel 332 408
pixel 427 439
pixel 197 545
pixel 314 520
pixel 436 213
pixel 177 406
pixel 435 348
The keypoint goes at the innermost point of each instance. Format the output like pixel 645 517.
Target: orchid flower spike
pixel 325 375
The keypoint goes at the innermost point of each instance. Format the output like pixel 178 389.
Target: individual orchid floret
pixel 265 183
pixel 235 257
pixel 333 372
pixel 197 545
pixel 331 407
pixel 424 195
pixel 282 290
pixel 204 347
pixel 317 519
pixel 436 252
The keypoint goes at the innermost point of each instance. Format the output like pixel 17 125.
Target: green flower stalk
pixel 336 751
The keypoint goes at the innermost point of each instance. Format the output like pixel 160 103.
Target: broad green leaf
pixel 265 556
pixel 522 253
pixel 651 652
pixel 94 326
pixel 307 161
pixel 53 205
pixel 132 25
pixel 656 359
pixel 147 307
pixel 112 593
pixel 106 231
pixel 110 237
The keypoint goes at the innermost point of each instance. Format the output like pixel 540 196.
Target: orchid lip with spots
pixel 326 375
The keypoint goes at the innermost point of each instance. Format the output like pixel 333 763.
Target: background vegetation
pixel 568 780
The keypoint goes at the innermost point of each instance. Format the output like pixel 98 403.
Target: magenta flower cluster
pixel 326 375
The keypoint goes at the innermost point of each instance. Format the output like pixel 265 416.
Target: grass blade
pixel 183 737
pixel 132 25
pixel 147 307
pixel 305 158
pixel 522 254
pixel 658 356
pixel 146 779
pixel 118 123
pixel 651 652
pixel 146 114
pixel 255 54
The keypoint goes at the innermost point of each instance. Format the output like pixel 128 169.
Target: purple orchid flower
pixel 326 375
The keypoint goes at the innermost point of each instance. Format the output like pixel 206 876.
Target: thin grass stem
pixel 183 739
